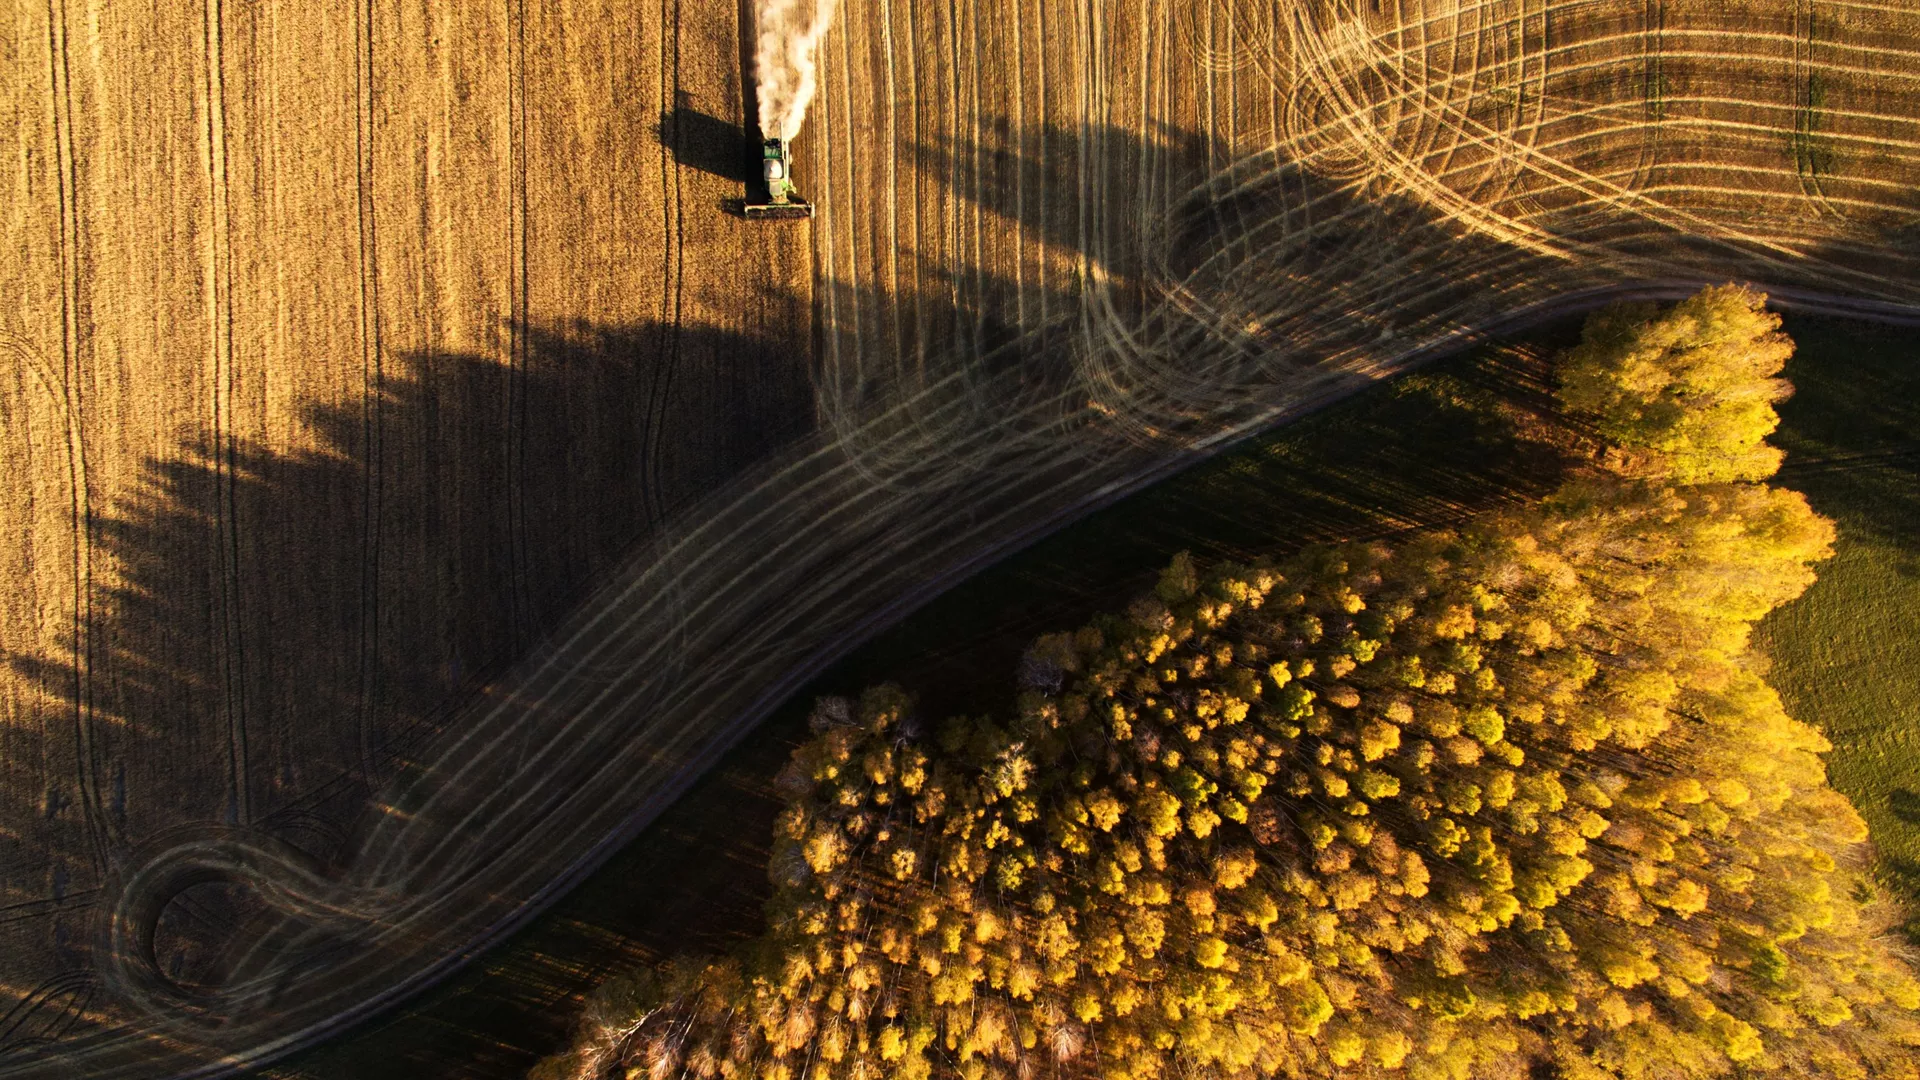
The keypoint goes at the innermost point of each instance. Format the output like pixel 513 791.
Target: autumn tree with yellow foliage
pixel 1504 800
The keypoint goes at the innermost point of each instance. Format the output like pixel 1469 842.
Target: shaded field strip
pixel 1798 466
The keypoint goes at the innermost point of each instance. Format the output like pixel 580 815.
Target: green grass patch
pixel 1846 656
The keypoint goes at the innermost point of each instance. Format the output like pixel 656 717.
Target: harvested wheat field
pixel 418 476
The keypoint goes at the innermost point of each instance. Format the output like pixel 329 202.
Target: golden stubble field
pixel 415 477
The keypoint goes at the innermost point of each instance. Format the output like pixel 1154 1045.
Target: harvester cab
pixel 783 202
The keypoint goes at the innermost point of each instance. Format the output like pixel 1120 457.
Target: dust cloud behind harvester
pixel 787 35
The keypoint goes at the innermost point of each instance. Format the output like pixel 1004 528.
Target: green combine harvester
pixel 783 202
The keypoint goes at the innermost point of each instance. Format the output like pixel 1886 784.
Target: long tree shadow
pixel 280 626
pixel 707 143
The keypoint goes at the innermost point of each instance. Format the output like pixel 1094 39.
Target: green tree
pixel 1505 797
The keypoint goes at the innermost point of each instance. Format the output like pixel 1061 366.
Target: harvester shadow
pixel 708 143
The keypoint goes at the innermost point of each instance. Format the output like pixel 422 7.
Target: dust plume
pixel 783 68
